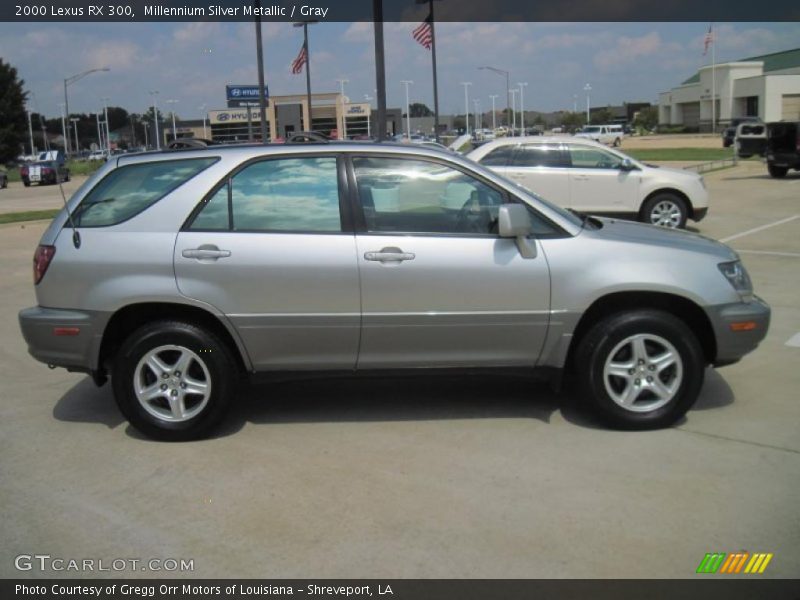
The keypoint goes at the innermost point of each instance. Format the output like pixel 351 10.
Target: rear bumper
pixel 44 329
pixel 731 344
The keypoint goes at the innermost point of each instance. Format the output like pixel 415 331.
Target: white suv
pixel 611 135
pixel 589 177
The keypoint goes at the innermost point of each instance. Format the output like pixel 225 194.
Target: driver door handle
pixel 206 252
pixel 389 255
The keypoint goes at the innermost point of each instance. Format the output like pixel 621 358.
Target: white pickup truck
pixel 611 135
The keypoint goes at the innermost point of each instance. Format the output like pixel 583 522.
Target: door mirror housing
pixel 515 222
pixel 626 165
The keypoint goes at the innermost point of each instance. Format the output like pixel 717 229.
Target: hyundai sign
pixel 241 95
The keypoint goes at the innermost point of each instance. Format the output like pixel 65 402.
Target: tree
pixel 647 118
pixel 418 109
pixel 602 116
pixel 13 121
pixel 573 120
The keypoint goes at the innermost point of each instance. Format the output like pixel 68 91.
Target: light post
pixel 368 98
pixel 75 127
pixel 202 109
pixel 99 134
pixel 513 92
pixel 466 85
pixel 343 134
pixel 407 83
pixel 478 123
pixel 154 94
pixel 30 132
pixel 107 128
pixel 73 79
pixel 173 102
pixel 63 126
pixel 494 114
pixel 522 85
pixel 508 86
pixel 574 103
pixel 587 88
pixel 145 126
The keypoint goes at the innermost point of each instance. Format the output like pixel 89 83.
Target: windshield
pixel 591 130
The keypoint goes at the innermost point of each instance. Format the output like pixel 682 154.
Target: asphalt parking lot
pixel 454 478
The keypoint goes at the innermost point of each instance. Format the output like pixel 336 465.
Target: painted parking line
pixel 769 253
pixel 794 341
pixel 736 236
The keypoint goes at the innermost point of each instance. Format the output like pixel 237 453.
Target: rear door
pixel 543 169
pixel 272 248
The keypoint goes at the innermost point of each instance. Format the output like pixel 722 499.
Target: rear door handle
pixel 389 255
pixel 206 252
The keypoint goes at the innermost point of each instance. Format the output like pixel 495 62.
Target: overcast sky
pixel 192 62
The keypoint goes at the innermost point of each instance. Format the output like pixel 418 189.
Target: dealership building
pixel 765 86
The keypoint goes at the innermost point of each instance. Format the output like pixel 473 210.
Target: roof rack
pixel 189 143
pixel 308 136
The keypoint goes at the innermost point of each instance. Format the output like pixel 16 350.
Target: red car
pixel 45 172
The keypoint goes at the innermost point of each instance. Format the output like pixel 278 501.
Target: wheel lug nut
pixel 649 380
pixel 641 361
pixel 165 376
pixel 174 392
pixel 631 371
pixel 177 373
pixel 652 367
pixel 183 385
pixel 163 387
pixel 638 382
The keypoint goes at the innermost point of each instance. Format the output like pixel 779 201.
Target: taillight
pixel 47 170
pixel 41 260
pixel 24 171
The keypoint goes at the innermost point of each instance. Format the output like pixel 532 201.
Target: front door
pixel 543 169
pixel 269 249
pixel 598 184
pixel 439 288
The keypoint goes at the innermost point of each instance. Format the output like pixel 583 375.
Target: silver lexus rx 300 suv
pixel 177 272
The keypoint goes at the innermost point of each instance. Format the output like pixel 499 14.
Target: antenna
pixel 76 237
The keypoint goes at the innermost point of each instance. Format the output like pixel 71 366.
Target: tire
pixel 617 143
pixel 665 209
pixel 26 183
pixel 663 394
pixel 174 343
pixel 777 172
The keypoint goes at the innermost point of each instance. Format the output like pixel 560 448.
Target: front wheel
pixel 640 370
pixel 777 172
pixel 174 381
pixel 665 210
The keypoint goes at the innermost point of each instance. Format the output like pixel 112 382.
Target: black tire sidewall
pixel 221 367
pixel 601 340
pixel 777 172
pixel 648 206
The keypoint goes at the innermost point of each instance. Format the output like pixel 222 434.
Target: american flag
pixel 423 34
pixel 297 64
pixel 708 41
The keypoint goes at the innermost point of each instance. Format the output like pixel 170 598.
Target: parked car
pixel 751 139
pixel 98 155
pixel 589 177
pixel 610 135
pixel 3 179
pixel 729 133
pixel 783 147
pixel 45 172
pixel 187 269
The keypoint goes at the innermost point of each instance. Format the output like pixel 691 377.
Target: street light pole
pixel 99 134
pixel 513 92
pixel 343 134
pixel 173 102
pixel 587 88
pixel 75 127
pixel 202 109
pixel 73 79
pixel 368 98
pixel 494 114
pixel 30 132
pixel 466 85
pixel 407 83
pixel 63 126
pixel 108 129
pixel 508 86
pixel 522 85
pixel 154 94
pixel 478 120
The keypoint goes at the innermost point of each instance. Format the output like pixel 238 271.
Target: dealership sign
pixel 357 110
pixel 234 115
pixel 244 92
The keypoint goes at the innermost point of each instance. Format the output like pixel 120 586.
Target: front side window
pixel 593 158
pixel 538 155
pixel 128 190
pixel 499 157
pixel 286 194
pixel 414 196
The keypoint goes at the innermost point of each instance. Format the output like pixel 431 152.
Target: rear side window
pixel 127 191
pixel 499 157
pixel 539 155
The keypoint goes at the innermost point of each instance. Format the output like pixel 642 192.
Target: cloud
pixel 628 50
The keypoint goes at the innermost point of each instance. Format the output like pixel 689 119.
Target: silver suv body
pixel 188 268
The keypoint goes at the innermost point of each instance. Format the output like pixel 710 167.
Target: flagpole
pixel 310 123
pixel 380 67
pixel 435 82
pixel 713 81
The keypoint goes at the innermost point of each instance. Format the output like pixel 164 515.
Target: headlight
pixel 737 275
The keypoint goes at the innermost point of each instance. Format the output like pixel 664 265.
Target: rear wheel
pixel 174 381
pixel 640 370
pixel 777 172
pixel 665 210
pixel 617 142
pixel 26 183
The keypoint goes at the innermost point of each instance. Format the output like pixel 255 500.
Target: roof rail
pixel 189 144
pixel 307 136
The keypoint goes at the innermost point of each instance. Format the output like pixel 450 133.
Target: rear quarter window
pixel 128 190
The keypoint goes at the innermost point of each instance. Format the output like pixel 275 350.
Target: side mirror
pixel 515 222
pixel 626 165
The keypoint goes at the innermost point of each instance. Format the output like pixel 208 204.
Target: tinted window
pixel 593 158
pixel 129 190
pixel 538 155
pixel 288 194
pixel 413 196
pixel 499 157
